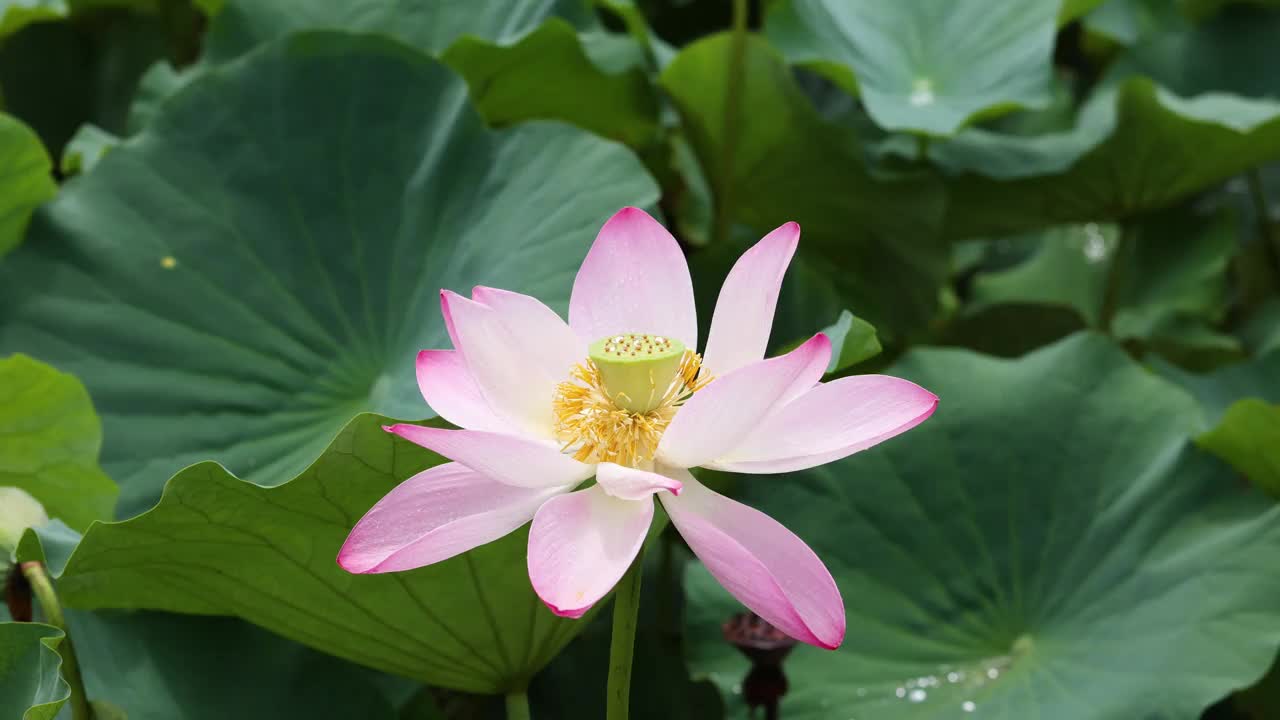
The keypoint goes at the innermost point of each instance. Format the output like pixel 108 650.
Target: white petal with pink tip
pixel 581 544
pixel 748 298
pixel 718 417
pixel 634 280
pixel 436 515
pixel 633 484
pixel 508 459
pixel 831 421
pixel 449 388
pixel 516 389
pixel 761 563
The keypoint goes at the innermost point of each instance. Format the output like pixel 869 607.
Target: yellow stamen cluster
pixel 594 428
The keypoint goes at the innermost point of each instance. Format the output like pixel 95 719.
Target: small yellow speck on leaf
pixel 168 262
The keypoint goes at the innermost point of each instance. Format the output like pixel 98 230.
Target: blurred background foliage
pixel 223 224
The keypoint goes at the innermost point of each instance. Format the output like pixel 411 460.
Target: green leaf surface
pixel 1061 555
pixel 852 339
pixel 920 65
pixel 1127 22
pixel 30 686
pixel 1135 148
pixel 1218 390
pixel 1067 267
pixel 878 239
pixel 217 545
pixel 15 14
pixel 86 148
pixel 1231 53
pixel 522 61
pixel 547 75
pixel 25 179
pixel 158 666
pixel 49 442
pixel 231 289
pixel 57 76
pixel 242 25
pixel 1248 437
pixel 1170 293
pixel 1072 9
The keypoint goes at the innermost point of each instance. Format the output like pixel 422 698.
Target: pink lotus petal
pixel 744 310
pixel 633 484
pixel 435 515
pixel 634 279
pixel 581 544
pixel 760 562
pixel 449 388
pixel 508 459
pixel 718 417
pixel 518 390
pixel 539 335
pixel 829 422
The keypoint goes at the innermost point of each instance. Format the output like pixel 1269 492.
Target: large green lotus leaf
pixel 58 75
pixel 921 65
pixel 432 27
pixel 1175 114
pixel 25 179
pixel 1248 437
pixel 1127 22
pixel 522 60
pixel 1218 390
pixel 49 442
pixel 1230 53
pixel 1135 148
pixel 157 666
pixel 217 545
pixel 878 239
pixel 30 686
pixel 1241 414
pixel 230 288
pixel 1048 545
pixel 547 75
pixel 1170 292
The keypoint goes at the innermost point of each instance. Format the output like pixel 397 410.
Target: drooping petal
pixel 536 329
pixel 718 417
pixel 634 280
pixel 435 515
pixel 580 545
pixel 633 484
pixel 515 388
pixel 829 422
pixel 760 562
pixel 449 388
pixel 508 459
pixel 744 310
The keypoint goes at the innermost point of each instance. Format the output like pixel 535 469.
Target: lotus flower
pixel 618 394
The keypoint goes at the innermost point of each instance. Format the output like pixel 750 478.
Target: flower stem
pixel 42 588
pixel 730 124
pixel 626 604
pixel 518 706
